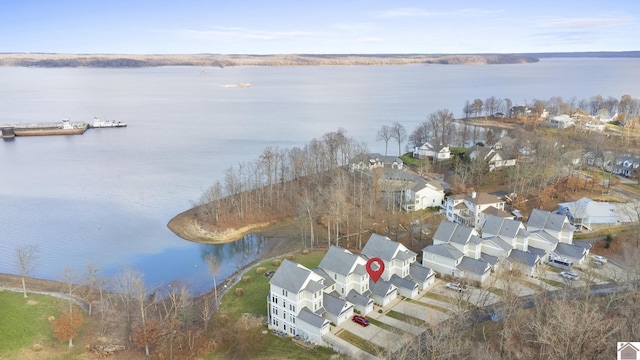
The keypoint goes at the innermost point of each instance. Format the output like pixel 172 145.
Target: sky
pixel 317 26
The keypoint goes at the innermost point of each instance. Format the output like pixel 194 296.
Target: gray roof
pixel 570 250
pixel 452 232
pixel 312 319
pixel 386 249
pixel 294 277
pixel 333 304
pixel 498 242
pixel 419 272
pixel 328 281
pixel 403 282
pixel 381 288
pixel 541 219
pixel 446 250
pixel 522 257
pixel 476 240
pixel 490 259
pixel 359 299
pixel 542 234
pixel 376 157
pixel 339 260
pixel 582 244
pixel 497 225
pixel 420 183
pixel 535 250
pixel 474 266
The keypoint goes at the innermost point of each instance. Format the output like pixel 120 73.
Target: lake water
pixel 105 197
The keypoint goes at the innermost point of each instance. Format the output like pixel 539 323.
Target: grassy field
pixel 24 322
pixel 254 300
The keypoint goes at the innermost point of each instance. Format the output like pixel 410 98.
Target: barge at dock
pixel 66 127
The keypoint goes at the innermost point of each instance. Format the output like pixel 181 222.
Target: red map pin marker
pixel 375 273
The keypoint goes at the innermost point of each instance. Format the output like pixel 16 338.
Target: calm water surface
pixel 105 197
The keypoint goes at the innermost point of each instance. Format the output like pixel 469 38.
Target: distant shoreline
pixel 218 60
pixel 54 60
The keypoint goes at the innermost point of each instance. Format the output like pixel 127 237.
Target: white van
pixel 561 263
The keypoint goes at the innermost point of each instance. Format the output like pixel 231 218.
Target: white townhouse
pixel 554 234
pixel 470 209
pixel 459 251
pixel 456 251
pixel 347 270
pixel 295 302
pixel 421 194
pixel 401 268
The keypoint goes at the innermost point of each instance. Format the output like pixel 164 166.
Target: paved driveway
pixel 375 335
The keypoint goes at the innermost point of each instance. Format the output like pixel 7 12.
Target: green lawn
pixel 254 300
pixel 22 325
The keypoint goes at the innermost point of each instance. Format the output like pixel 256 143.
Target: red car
pixel 359 319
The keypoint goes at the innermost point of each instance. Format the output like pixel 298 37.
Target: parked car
pixel 569 275
pixel 359 319
pixel 597 264
pixel 455 286
pixel 599 258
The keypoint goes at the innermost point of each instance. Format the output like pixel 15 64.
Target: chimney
pixel 473 194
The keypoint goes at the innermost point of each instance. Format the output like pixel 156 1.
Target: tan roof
pixel 483 198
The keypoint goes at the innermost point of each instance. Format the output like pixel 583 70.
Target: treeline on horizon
pixel 54 60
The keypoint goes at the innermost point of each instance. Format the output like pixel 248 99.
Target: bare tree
pixel 214 267
pixel 124 286
pixel 400 134
pixel 442 124
pixel 27 261
pixel 91 282
pixel 385 134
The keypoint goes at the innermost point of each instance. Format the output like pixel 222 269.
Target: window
pixel 275 322
pixel 285 327
pixel 284 315
pixel 284 303
pixel 274 299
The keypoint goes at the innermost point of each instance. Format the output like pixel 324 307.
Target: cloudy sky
pixel 317 26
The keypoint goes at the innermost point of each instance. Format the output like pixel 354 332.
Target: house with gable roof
pixel 626 165
pixel 495 158
pixel 397 264
pixel 347 270
pixel 467 209
pixel 349 273
pixel 554 234
pixel 432 149
pixel 421 194
pixel 586 212
pixel 456 251
pixel 296 302
pixel 374 161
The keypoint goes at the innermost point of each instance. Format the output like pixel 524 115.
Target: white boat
pixel 97 123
